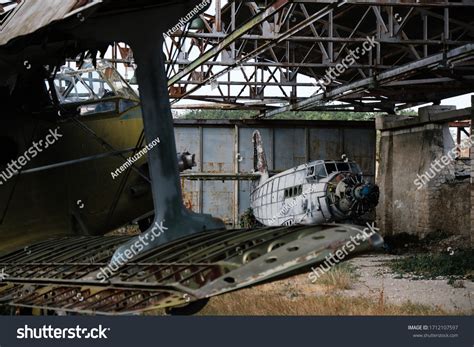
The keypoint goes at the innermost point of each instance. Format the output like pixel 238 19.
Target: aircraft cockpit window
pixel 317 171
pixel 126 104
pixel 100 84
pixel 78 92
pixel 343 167
pixel 320 171
pixel 63 84
pixel 95 83
pixel 355 168
pixel 330 168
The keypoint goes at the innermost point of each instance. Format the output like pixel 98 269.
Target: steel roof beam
pixel 259 18
pixel 385 77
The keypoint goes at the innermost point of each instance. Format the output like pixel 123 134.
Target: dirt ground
pixel 374 277
pixel 375 290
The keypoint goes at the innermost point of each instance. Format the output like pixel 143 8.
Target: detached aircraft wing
pixel 184 272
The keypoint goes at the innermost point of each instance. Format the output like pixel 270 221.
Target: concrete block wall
pixel 442 204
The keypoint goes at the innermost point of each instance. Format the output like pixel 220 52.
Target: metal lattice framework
pixel 272 56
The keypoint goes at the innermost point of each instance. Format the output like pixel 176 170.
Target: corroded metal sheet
pixel 31 15
pixel 226 148
pixel 63 274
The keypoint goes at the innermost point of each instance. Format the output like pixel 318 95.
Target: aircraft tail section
pixel 259 158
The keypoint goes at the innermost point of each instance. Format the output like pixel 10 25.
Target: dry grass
pixel 252 302
pixel 297 297
pixel 340 277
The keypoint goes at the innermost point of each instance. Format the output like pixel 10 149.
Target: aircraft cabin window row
pixel 293 191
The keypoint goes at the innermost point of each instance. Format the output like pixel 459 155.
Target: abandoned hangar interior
pixel 397 61
pixel 270 58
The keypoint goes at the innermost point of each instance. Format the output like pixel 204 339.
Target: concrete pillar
pixel 419 194
pixel 472 177
pixel 385 182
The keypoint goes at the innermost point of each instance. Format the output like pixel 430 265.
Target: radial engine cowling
pixel 351 196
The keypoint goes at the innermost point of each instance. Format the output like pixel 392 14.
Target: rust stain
pixel 187 202
pixel 186 195
pixel 176 92
pixel 216 167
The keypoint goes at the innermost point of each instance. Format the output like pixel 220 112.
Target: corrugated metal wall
pixel 224 146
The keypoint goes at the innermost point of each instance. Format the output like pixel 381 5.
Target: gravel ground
pixel 374 277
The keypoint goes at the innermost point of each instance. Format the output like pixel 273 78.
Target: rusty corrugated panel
pixel 326 143
pixel 290 148
pixel 359 145
pixel 188 139
pixel 285 147
pixel 218 157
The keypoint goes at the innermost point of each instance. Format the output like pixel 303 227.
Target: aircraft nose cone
pixel 368 192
